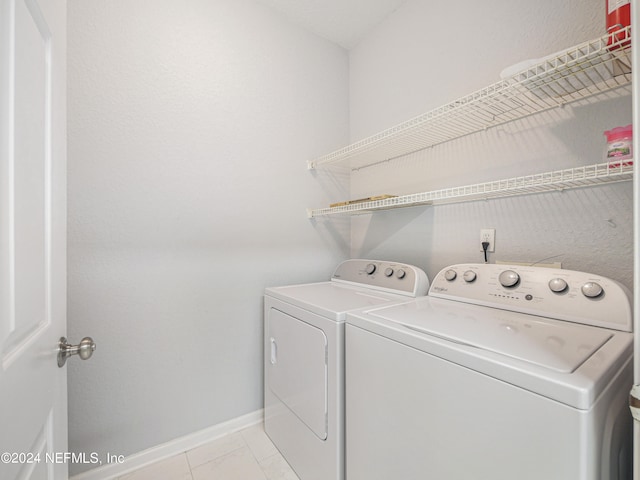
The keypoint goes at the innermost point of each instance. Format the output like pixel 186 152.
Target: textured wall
pixel 190 124
pixel 189 127
pixel 428 54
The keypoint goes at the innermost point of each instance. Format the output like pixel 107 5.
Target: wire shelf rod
pixel 576 177
pixel 594 67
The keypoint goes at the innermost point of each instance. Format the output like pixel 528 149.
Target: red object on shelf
pixel 618 17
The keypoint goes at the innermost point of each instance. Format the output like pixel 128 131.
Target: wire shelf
pixel 578 177
pixel 590 68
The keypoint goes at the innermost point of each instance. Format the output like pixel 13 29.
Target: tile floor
pixel 244 455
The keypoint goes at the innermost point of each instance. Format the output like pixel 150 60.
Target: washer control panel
pixel 382 275
pixel 555 293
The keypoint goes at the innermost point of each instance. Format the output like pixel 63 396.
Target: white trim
pixel 635 56
pixel 171 448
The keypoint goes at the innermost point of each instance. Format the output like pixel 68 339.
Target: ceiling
pixel 344 22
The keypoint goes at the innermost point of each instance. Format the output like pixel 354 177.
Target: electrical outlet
pixel 488 235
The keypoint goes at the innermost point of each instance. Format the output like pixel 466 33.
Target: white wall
pixel 190 124
pixel 428 54
pixel 178 109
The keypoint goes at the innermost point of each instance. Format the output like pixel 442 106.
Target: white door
pixel 33 390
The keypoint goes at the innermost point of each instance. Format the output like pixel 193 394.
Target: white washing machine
pixel 501 373
pixel 304 358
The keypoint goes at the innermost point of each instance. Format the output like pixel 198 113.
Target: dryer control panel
pixel 391 277
pixel 556 293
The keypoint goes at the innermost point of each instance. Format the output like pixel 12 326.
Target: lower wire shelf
pixel 577 177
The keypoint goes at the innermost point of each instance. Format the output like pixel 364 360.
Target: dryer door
pixel 297 369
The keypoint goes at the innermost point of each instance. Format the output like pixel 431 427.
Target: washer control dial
pixel 388 272
pixel 592 290
pixel 509 278
pixel 469 276
pixel 370 268
pixel 400 274
pixel 450 275
pixel 558 285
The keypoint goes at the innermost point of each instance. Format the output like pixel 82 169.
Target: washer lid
pixel 556 345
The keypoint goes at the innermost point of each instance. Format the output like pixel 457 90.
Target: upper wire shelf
pixel 590 68
pixel 577 177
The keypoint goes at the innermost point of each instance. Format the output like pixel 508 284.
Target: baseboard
pixel 169 449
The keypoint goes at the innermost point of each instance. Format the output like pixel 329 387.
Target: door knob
pixel 84 349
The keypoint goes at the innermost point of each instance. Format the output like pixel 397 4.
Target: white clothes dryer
pixel 304 358
pixel 502 372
